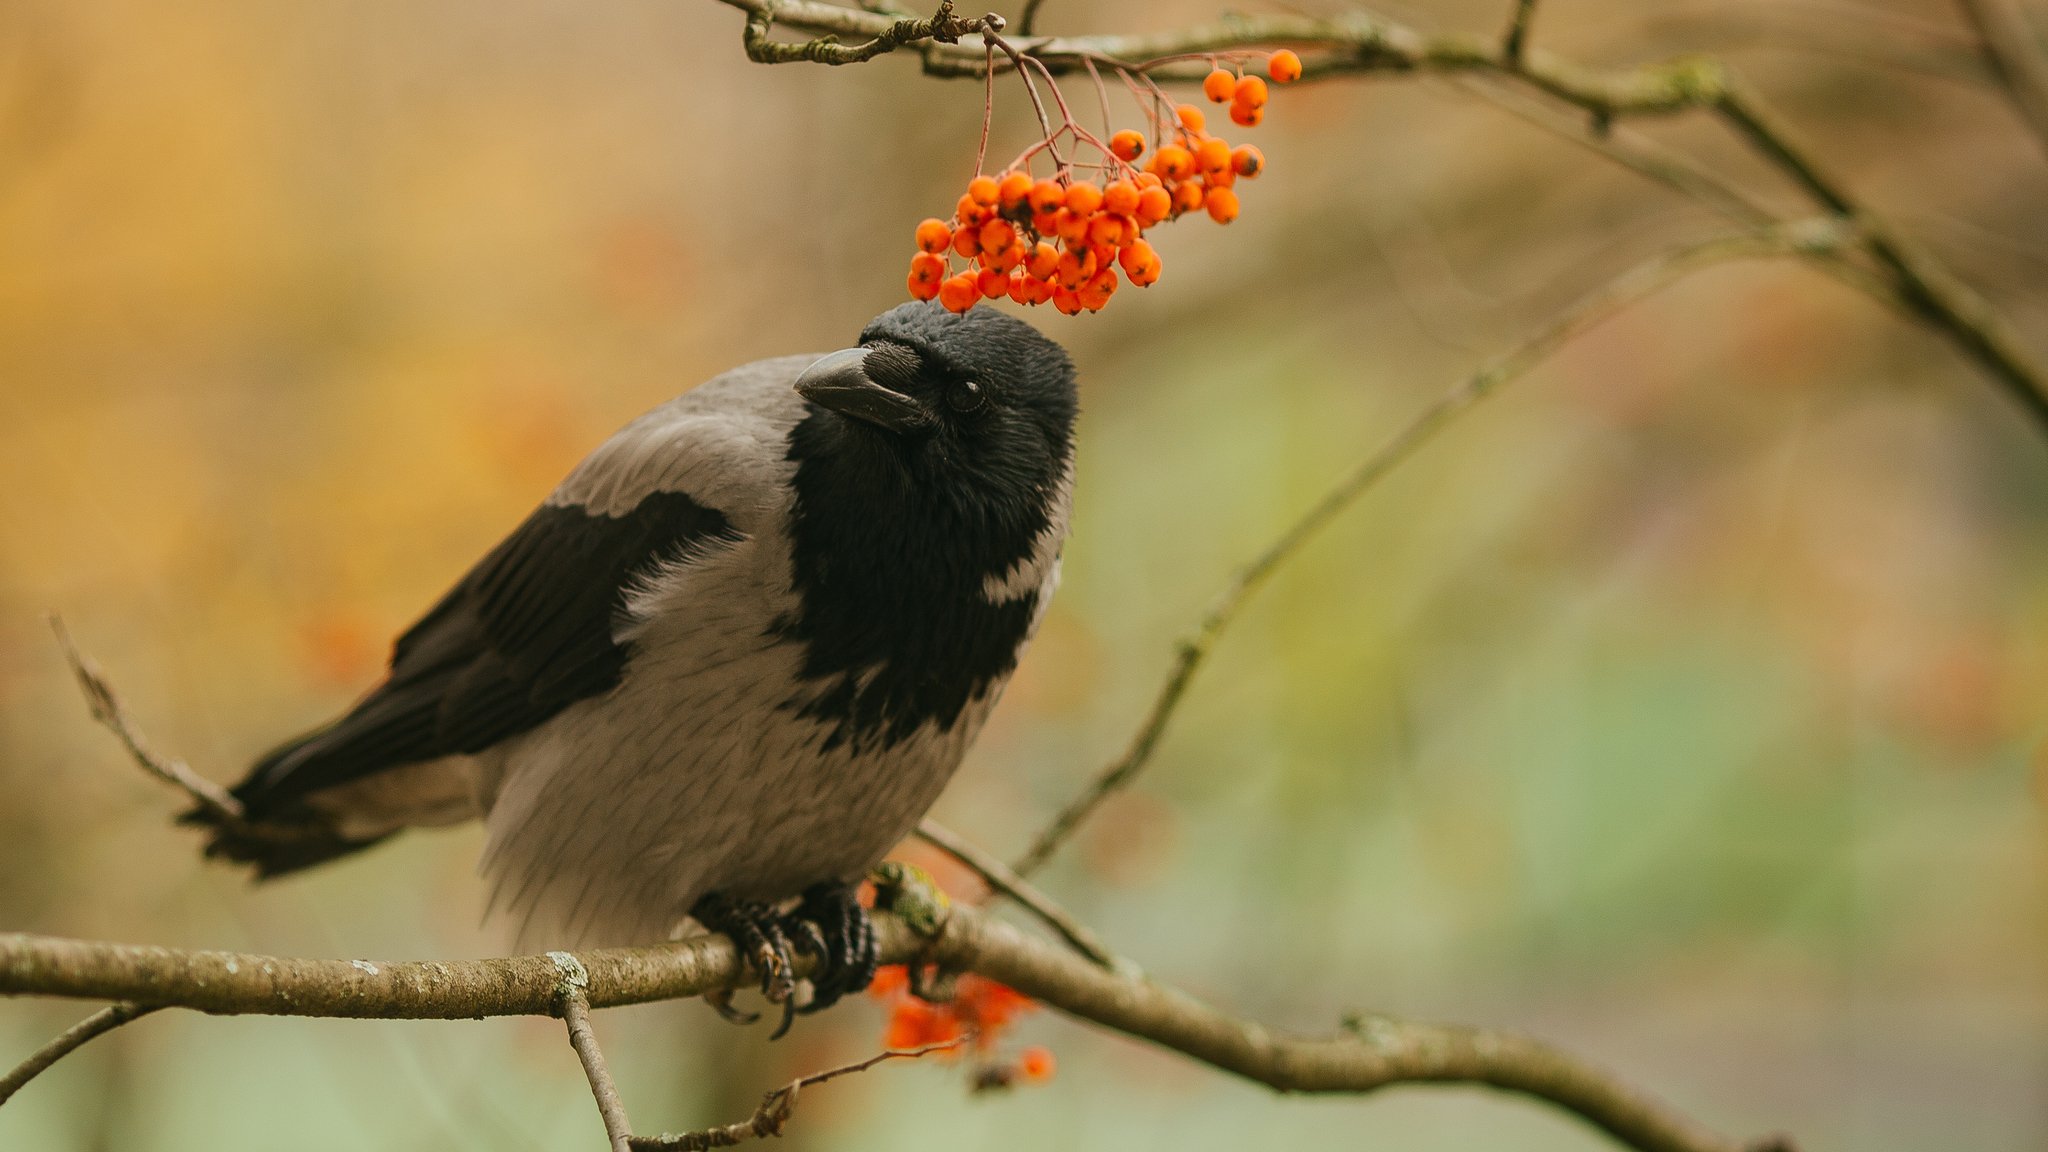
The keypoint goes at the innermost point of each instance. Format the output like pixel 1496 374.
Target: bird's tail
pixel 273 839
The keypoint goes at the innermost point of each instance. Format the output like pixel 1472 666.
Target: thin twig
pixel 1518 33
pixel 998 876
pixel 1027 24
pixel 108 710
pixel 1635 284
pixel 576 1014
pixel 777 1106
pixel 103 1021
pixel 2017 55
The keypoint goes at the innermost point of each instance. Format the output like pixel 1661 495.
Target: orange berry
pixel 1036 1065
pixel 1190 117
pixel 993 282
pixel 1148 180
pixel 1176 162
pixel 1012 257
pixel 1213 155
pixel 959 293
pixel 1014 188
pixel 997 235
pixel 921 289
pixel 1154 205
pixel 967 241
pixel 1120 197
pixel 1187 197
pixel 985 191
pixel 1131 231
pixel 1222 204
pixel 1127 145
pixel 971 212
pixel 1284 66
pixel 1044 261
pixel 1219 86
pixel 1017 286
pixel 1084 198
pixel 1071 226
pixel 1246 117
pixel 1098 290
pixel 1065 300
pixel 1248 162
pixel 1223 179
pixel 1075 269
pixel 1251 92
pixel 1105 229
pixel 1046 196
pixel 934 236
pixel 1140 263
pixel 1046 223
pixel 928 266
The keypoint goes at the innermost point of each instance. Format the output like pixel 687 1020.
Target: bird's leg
pixel 831 925
pixel 757 932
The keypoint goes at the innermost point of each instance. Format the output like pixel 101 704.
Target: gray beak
pixel 839 382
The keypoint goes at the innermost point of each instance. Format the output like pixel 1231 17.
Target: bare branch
pixel 1970 322
pixel 103 1021
pixel 108 710
pixel 576 1014
pixel 998 876
pixel 1375 1053
pixel 1803 239
pixel 943 27
pixel 1518 33
pixel 2017 56
pixel 776 1106
pixel 1028 22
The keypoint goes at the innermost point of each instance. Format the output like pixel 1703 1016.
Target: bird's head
pixel 977 393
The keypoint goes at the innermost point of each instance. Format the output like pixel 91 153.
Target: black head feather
pixel 896 535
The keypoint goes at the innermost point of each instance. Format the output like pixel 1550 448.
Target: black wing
pixel 527 633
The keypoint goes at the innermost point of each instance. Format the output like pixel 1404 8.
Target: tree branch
pixel 1002 880
pixel 1808 238
pixel 1360 42
pixel 943 27
pixel 1518 32
pixel 2017 58
pixel 1373 1053
pixel 575 1013
pixel 103 1021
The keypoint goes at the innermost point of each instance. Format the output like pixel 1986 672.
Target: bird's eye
pixel 967 396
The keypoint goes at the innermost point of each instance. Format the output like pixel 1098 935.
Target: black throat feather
pixel 892 545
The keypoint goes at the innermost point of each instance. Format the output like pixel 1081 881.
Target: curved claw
pixel 721 1000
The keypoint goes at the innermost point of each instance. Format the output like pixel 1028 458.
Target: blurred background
pixel 1684 704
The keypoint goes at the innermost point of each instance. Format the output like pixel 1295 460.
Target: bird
pixel 728 663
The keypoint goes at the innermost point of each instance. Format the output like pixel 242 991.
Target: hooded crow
pixel 729 662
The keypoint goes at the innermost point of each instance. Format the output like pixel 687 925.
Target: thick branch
pixel 1375 1053
pixel 1815 237
pixel 943 27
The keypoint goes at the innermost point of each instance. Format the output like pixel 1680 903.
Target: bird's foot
pixel 831 925
pixel 757 931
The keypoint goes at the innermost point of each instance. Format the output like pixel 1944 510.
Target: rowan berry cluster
pixel 979 1006
pixel 1062 239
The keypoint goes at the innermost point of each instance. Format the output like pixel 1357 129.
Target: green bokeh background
pixel 1683 704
